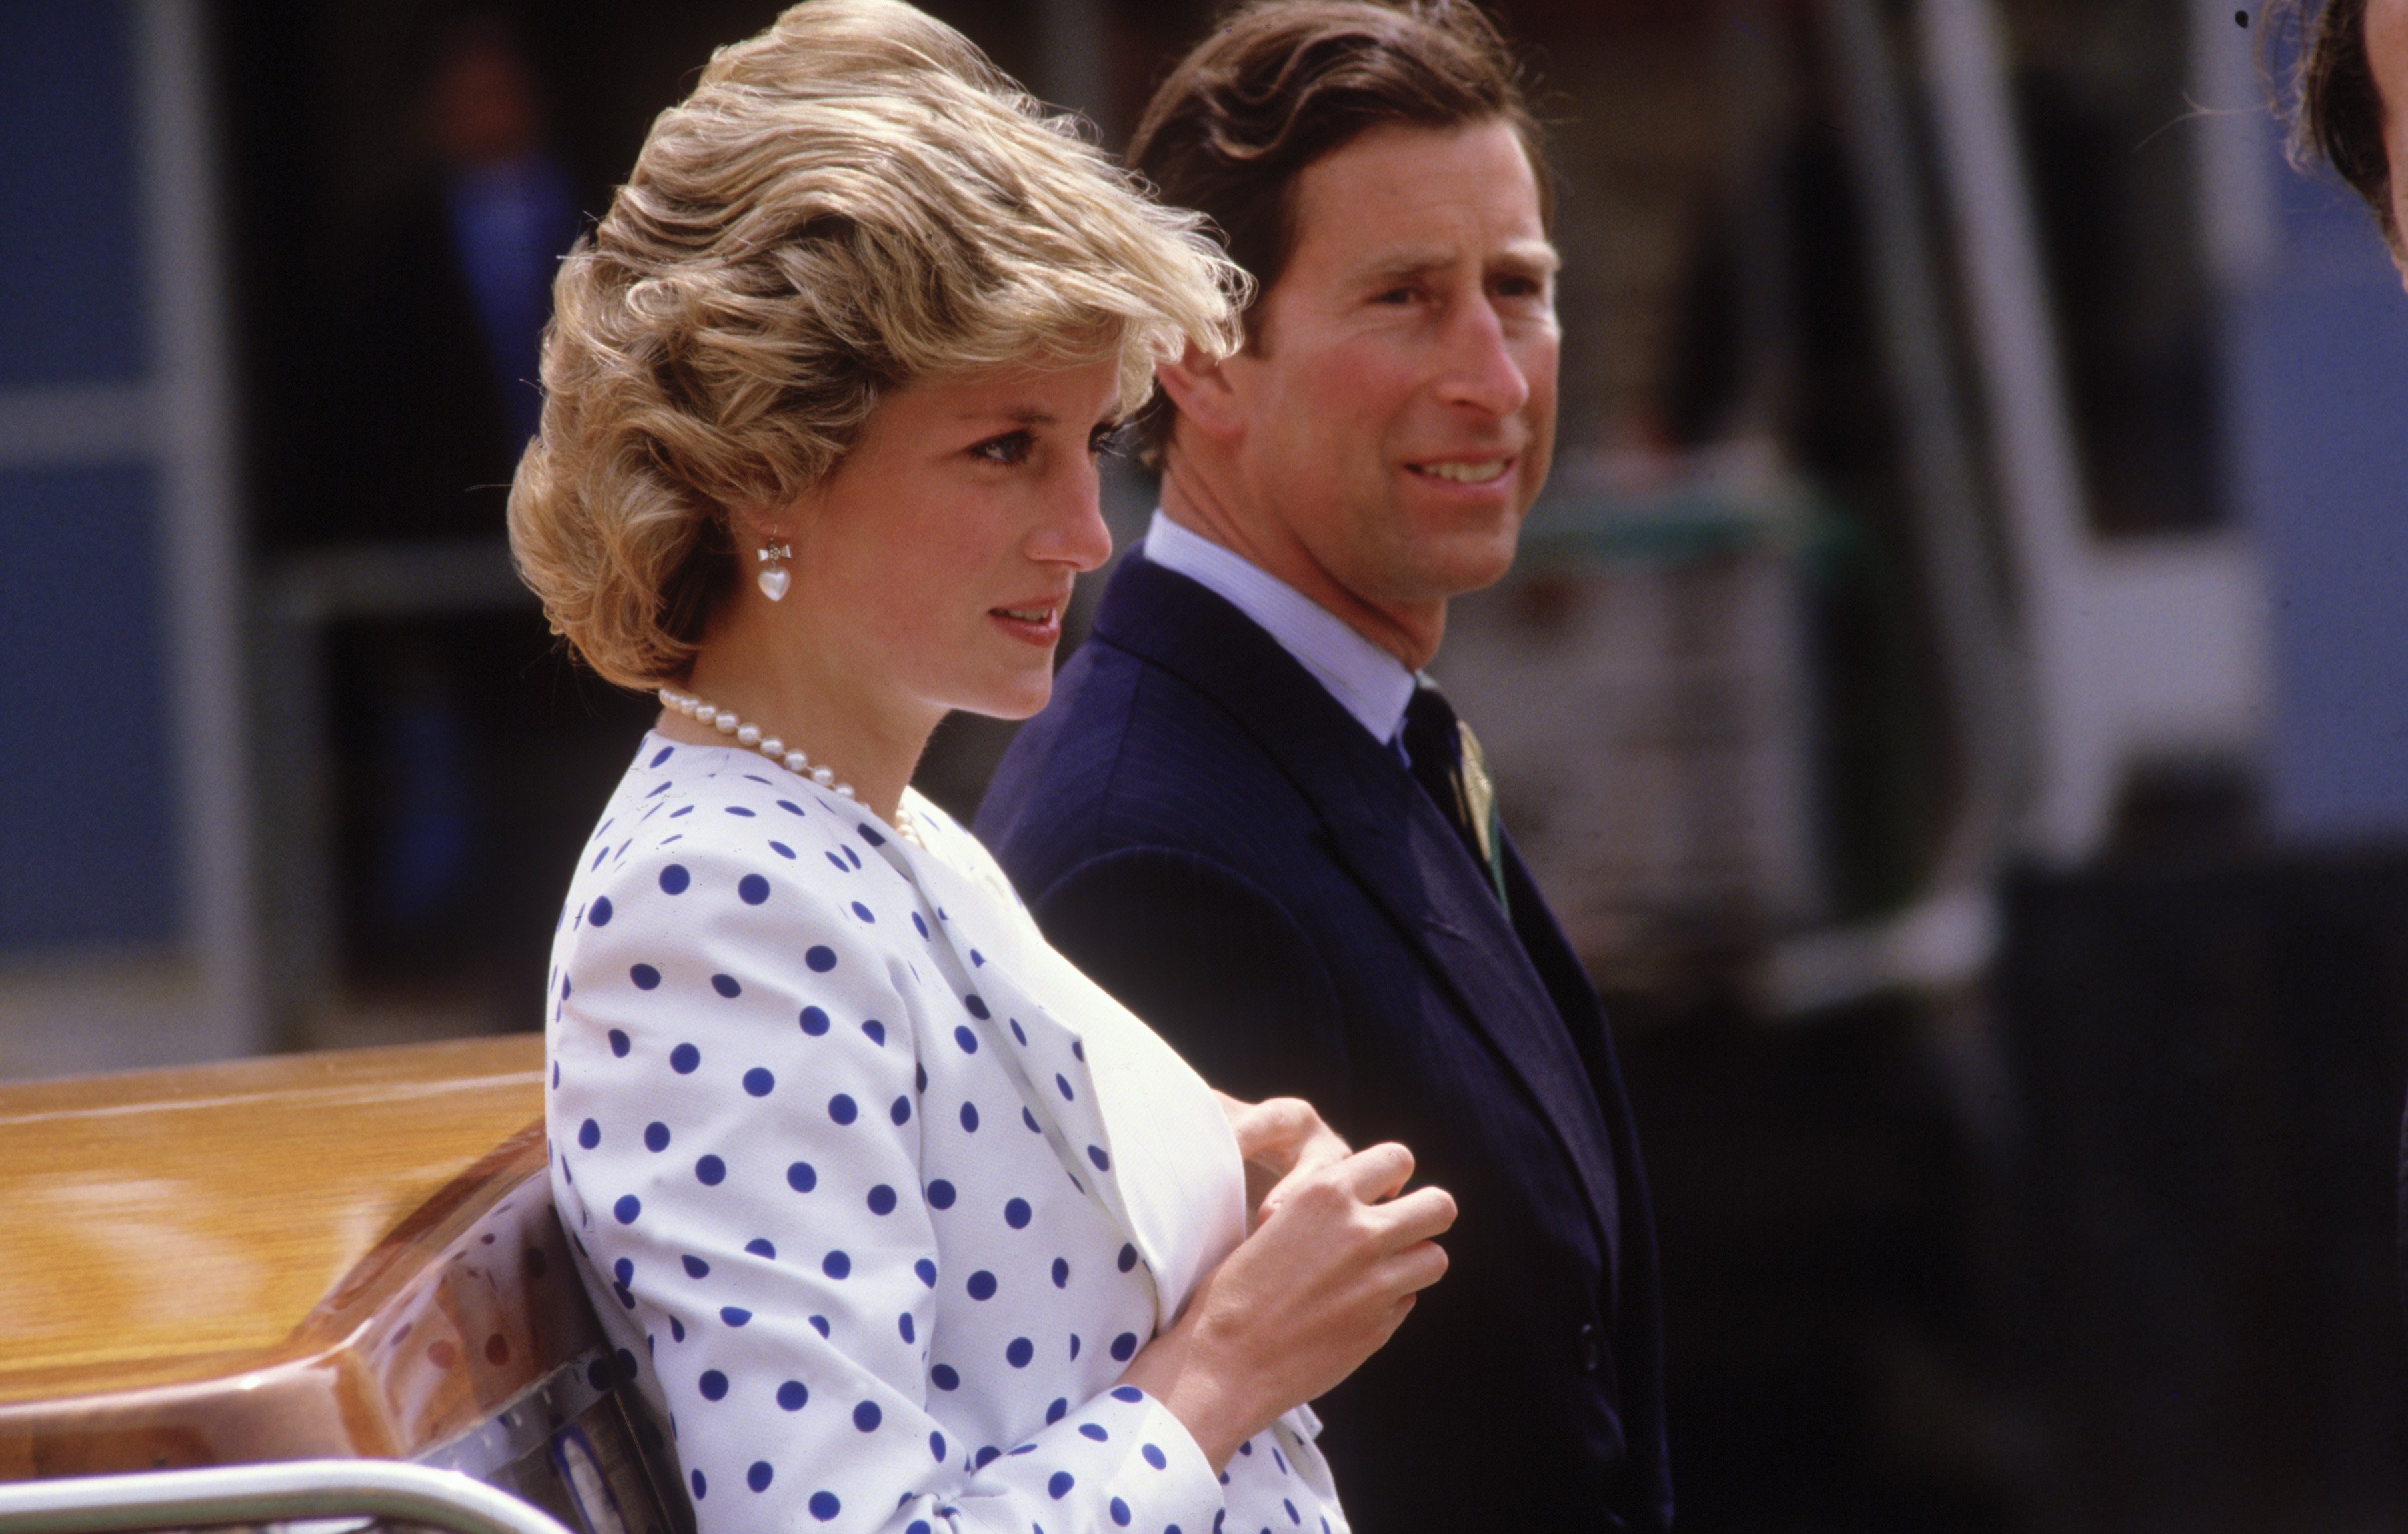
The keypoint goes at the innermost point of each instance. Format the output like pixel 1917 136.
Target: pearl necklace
pixel 726 723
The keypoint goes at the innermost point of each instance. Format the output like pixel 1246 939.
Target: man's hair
pixel 850 203
pixel 1281 83
pixel 2337 113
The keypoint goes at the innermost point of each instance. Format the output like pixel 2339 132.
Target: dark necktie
pixel 1447 761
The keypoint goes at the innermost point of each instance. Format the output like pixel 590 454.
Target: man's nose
pixel 1482 371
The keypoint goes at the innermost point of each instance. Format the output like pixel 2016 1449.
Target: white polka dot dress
pixel 876 1193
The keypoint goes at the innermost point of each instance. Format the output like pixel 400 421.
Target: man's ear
pixel 1204 394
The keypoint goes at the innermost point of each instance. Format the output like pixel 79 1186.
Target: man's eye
pixel 1398 295
pixel 1010 450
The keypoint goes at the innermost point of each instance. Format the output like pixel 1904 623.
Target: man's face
pixel 1400 406
pixel 2386 55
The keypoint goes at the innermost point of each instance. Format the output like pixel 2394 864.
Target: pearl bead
pixel 771 747
pixel 726 723
pixel 844 791
pixel 823 777
pixel 749 733
pixel 797 763
pixel 704 713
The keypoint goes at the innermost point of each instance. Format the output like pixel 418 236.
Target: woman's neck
pixel 850 723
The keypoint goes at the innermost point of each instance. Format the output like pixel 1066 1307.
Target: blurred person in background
pixel 1251 819
pixel 899 1221
pixel 2352 101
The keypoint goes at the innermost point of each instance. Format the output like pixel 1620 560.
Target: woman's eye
pixel 1113 439
pixel 1010 450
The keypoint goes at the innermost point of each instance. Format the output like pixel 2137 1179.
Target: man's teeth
pixel 1466 474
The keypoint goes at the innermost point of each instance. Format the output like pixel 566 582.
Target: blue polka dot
pixel 966 1039
pixel 836 1265
pixel 735 1316
pixel 1128 1393
pixel 1059 1487
pixel 677 1329
pixel 1094 1430
pixel 656 1136
pixel 1128 1257
pixel 977 1004
pixel 903 1324
pixel 802 1176
pixel 1291 1511
pixel 876 1030
pixel 759 1246
pixel 711 1171
pixel 819 1325
pixel 1124 1347
pixel 1061 1273
pixel 701 1486
pixel 1056 1413
pixel 620 1044
pixel 921 925
pixel 674 879
pixel 600 913
pixel 841 866
pixel 937 1446
pixel 969 1117
pixel 1017 1031
pixel 870 836
pixel 760 1475
pixel 1064 1082
pixel 662 755
pixel 696 1267
pixel 940 1193
pixel 1030 1119
pixel 1094 1154
pixel 977 958
pixel 793 1396
pixel 944 1377
pixel 759 1084
pixel 684 1059
pixel 901 1111
pixel 1155 1457
pixel 1120 1511
pixel 842 1108
pixel 589 1134
pixel 1020 1352
pixel 752 889
pixel 820 957
pixel 1015 1214
pixel 645 976
pixel 867 1416
pixel 725 985
pixel 981 1284
pixel 1078 1049
pixel 824 1506
pixel 927 1271
pixel 863 912
pixel 715 1386
pixel 623 1270
pixel 790 807
pixel 627 1208
pixel 781 850
pixel 882 1200
pixel 815 1022
pixel 555 1073
pixel 1074 1347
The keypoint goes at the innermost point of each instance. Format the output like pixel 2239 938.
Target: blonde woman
pixel 904 1223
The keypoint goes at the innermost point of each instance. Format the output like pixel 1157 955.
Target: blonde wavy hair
pixel 851 202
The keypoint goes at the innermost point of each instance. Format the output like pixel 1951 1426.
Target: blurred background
pixel 1956 688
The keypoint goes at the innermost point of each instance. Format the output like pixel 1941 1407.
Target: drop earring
pixel 774 579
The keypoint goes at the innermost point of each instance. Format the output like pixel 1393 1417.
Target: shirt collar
pixel 1368 681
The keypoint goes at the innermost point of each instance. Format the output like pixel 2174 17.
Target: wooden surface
pixel 344 1252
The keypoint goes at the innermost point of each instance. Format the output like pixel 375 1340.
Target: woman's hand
pixel 1323 1283
pixel 1279 1140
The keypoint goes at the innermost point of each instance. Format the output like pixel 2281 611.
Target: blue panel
pixel 71 304
pixel 2321 386
pixel 87 848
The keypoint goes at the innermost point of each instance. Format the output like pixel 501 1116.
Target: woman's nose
pixel 1074 532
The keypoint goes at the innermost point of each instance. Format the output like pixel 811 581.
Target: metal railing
pixel 267 1494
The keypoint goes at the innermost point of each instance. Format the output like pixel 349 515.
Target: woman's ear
pixel 1203 392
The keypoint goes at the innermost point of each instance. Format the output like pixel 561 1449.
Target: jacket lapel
pixel 998 983
pixel 1396 843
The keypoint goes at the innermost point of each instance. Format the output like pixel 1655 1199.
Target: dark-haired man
pixel 1247 815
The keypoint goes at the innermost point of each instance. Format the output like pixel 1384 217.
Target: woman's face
pixel 931 570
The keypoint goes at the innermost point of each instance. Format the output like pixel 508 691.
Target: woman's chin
pixel 1019 699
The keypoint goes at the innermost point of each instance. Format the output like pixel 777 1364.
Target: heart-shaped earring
pixel 774 579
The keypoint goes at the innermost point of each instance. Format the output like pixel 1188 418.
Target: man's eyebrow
pixel 1535 256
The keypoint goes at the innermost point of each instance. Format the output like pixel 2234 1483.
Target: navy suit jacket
pixel 1203 829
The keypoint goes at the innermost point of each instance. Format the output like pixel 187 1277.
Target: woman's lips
pixel 1035 624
